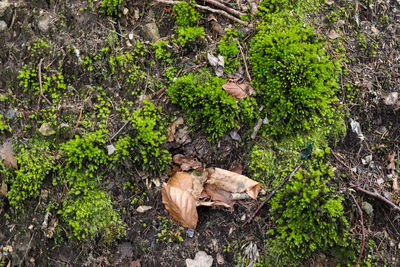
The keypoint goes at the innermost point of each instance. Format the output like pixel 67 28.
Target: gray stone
pixel 46 129
pixel 3 26
pixel 367 208
pixel 151 31
pixel 11 114
pixel 44 23
pixel 3 6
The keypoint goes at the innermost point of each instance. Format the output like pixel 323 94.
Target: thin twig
pixel 221 12
pixel 27 250
pixel 41 87
pixel 273 193
pixel 224 7
pixel 362 230
pixel 244 61
pixel 387 201
pixel 117 133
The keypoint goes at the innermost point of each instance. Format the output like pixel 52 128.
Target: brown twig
pixel 224 7
pixel 244 61
pixel 362 230
pixel 206 8
pixel 273 193
pixel 41 87
pixel 387 201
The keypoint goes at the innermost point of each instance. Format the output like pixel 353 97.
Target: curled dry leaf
pixel 219 196
pixel 172 129
pixel 238 90
pixel 178 200
pixel 142 209
pixel 7 154
pixel 233 182
pixel 186 163
pixel 391 165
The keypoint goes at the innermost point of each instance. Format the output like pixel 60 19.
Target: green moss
pixel 144 143
pixel 35 163
pixel 208 106
pixel 92 215
pixel 229 49
pixel 186 19
pixel 185 14
pixel 161 52
pixel 294 77
pixel 308 214
pixel 111 8
pixel 3 125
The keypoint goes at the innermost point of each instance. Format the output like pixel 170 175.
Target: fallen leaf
pixel 178 200
pixel 198 180
pixel 238 168
pixel 7 154
pixel 217 62
pixel 172 128
pixel 220 259
pixel 3 189
pixel 333 34
pixel 200 260
pixel 391 98
pixel 219 196
pixel 233 182
pixel 135 263
pixel 186 163
pixel 356 128
pixel 238 90
pixel 142 209
pixel 392 164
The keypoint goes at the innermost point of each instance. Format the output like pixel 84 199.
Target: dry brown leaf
pixel 178 200
pixel 7 154
pixel 186 163
pixel 3 189
pixel 237 168
pixel 198 183
pixel 233 182
pixel 172 129
pixel 135 263
pixel 220 196
pixel 238 90
pixel 391 165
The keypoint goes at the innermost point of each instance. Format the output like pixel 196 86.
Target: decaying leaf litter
pixel 376 111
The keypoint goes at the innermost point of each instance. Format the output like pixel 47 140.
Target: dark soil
pixel 369 36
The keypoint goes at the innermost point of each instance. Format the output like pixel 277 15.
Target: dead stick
pixel 362 231
pixel 273 193
pixel 224 7
pixel 387 201
pixel 221 12
pixel 244 61
pixel 40 86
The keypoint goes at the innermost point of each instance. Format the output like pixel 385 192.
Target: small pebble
pixel 190 233
pixel 3 26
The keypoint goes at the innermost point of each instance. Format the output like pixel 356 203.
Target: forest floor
pixel 367 32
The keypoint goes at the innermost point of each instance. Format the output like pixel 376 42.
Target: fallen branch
pixel 387 201
pixel 244 61
pixel 206 8
pixel 224 7
pixel 362 231
pixel 41 87
pixel 273 193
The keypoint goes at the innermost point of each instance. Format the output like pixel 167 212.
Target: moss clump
pixel 229 49
pixel 295 78
pixel 92 215
pixel 111 8
pixel 144 143
pixel 35 163
pixel 186 19
pixel 207 105
pixel 308 214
